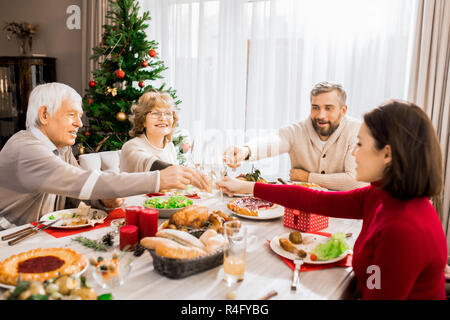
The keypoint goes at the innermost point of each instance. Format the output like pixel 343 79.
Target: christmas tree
pixel 128 64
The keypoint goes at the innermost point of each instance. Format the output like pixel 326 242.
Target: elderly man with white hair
pixel 38 170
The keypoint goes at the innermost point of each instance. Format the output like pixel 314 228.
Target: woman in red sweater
pixel 401 251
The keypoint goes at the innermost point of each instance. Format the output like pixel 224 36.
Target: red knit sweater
pixel 404 239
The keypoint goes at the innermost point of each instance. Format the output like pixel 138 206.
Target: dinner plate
pixel 269 214
pixel 59 214
pixel 313 239
pixel 7 286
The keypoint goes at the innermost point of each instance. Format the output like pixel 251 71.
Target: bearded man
pixel 320 147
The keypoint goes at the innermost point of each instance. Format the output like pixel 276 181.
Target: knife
pixel 16 233
pixel 28 234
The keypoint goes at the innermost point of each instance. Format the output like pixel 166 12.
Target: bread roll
pixel 153 242
pixel 215 243
pixel 206 235
pixel 212 240
pixel 171 249
pixel 181 237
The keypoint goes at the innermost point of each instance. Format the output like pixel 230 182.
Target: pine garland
pixel 97 245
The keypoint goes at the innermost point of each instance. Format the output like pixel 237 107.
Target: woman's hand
pixel 231 186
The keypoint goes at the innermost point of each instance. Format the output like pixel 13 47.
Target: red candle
pixel 148 223
pixel 129 235
pixel 132 215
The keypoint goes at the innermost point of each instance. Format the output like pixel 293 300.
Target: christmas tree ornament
pixel 113 91
pixel 144 64
pixel 92 84
pixel 120 74
pixel 80 149
pixel 141 84
pixel 91 101
pixel 121 116
pixel 152 53
pixel 87 133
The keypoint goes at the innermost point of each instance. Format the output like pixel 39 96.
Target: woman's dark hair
pixel 416 167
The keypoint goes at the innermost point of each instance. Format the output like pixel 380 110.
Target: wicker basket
pixel 181 268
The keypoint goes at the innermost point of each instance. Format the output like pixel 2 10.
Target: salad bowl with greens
pixel 167 206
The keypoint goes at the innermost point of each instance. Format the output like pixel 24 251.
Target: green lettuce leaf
pixel 331 249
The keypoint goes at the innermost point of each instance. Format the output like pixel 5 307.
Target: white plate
pixel 7 286
pixel 315 240
pixel 60 213
pixel 269 214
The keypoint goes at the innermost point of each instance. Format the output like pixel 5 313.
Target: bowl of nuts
pixel 111 269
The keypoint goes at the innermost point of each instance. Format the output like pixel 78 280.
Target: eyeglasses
pixel 158 115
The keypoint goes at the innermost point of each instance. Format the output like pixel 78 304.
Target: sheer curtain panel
pixel 204 45
pixel 245 68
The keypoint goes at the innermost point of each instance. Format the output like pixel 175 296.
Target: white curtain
pixel 244 68
pixel 204 45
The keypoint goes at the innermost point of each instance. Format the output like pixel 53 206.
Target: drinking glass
pixel 234 251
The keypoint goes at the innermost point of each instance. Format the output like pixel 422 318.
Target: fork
pixel 298 263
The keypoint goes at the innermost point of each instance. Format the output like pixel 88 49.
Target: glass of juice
pixel 235 250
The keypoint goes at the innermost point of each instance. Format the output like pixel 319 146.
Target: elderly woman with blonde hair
pixel 153 121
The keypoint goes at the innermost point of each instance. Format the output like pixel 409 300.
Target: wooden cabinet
pixel 18 76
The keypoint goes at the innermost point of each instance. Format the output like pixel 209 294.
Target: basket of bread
pixel 191 241
pixel 177 254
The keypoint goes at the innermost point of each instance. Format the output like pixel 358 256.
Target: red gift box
pixel 304 221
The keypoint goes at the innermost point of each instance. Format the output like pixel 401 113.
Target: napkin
pixel 346 262
pixel 155 194
pixel 60 233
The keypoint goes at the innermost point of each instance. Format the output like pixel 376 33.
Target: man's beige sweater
pixel 330 165
pixel 31 174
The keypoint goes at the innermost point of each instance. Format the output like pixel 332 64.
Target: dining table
pixel 265 271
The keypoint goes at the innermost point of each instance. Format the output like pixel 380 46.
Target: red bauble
pixel 92 84
pixel 120 74
pixel 91 101
pixel 152 53
pixel 144 63
pixel 141 84
pixel 87 133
